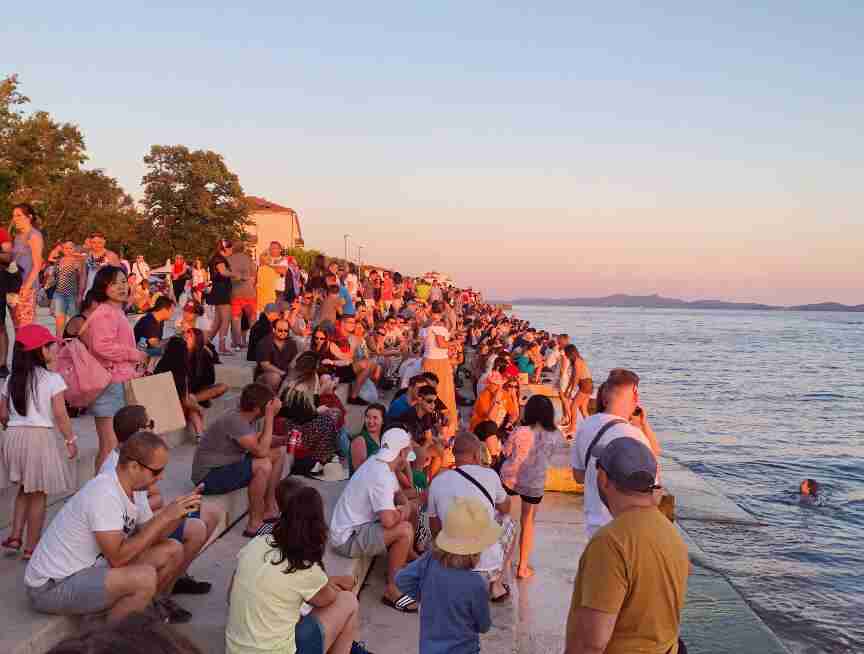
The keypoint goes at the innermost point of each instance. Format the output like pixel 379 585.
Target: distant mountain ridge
pixel 656 301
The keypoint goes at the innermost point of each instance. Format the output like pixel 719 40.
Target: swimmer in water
pixel 809 489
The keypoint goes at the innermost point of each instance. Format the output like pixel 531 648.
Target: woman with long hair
pixel 303 412
pixel 33 410
pixel 527 453
pixel 368 441
pixel 277 572
pixel 436 359
pixel 220 294
pixel 200 279
pixel 190 362
pixel 27 254
pixel 110 339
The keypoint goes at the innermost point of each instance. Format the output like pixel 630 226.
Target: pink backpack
pixel 84 376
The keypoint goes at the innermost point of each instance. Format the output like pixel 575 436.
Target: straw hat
pixel 333 471
pixel 468 529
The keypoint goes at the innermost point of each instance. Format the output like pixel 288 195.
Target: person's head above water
pixel 809 487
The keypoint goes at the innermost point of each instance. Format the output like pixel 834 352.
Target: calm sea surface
pixel 754 402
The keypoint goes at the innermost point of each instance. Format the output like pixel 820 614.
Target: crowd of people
pixel 428 488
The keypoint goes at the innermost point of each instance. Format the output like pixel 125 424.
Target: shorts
pixel 241 304
pixel 227 479
pixel 366 540
pixel 177 534
pixel 309 635
pixel 528 499
pixel 65 304
pixel 79 594
pixel 112 399
pixel 345 374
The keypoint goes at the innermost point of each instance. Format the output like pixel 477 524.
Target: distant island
pixel 658 302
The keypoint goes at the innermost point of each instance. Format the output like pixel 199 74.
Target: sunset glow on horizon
pixel 550 151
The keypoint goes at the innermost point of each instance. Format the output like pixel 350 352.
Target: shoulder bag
pixel 603 430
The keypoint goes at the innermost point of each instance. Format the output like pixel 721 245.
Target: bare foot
pixel 525 573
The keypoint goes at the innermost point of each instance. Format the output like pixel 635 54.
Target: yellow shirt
pixel 265 602
pixel 637 567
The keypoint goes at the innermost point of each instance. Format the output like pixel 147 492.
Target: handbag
pixel 85 377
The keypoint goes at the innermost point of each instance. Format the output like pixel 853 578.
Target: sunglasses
pixel 320 338
pixel 154 471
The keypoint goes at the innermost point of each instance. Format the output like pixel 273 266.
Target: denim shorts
pixel 65 304
pixel 79 594
pixel 309 635
pixel 226 479
pixel 177 534
pixel 112 399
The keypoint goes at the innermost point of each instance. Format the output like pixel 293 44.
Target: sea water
pixel 755 402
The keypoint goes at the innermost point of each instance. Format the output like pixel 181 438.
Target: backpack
pixel 84 376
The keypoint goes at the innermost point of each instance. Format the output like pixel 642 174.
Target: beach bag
pixel 84 376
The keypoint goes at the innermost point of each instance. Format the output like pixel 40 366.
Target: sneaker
pixel 4 372
pixel 359 647
pixel 358 401
pixel 174 613
pixel 188 585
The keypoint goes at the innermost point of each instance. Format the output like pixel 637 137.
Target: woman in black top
pixel 220 294
pixel 190 361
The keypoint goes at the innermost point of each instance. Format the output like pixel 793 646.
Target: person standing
pixel 632 578
pixel 71 278
pixel 436 359
pixel 110 339
pixel 220 294
pixel 200 279
pixel 618 400
pixel 27 253
pixel 140 268
pixel 243 299
pixel 272 268
pixel 179 276
pixel 97 257
pixel 575 386
pixel 32 411
pixel 5 275
pixel 527 454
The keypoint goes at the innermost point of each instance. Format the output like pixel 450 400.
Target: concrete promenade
pixel 717 619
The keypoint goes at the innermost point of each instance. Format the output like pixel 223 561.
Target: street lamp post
pixel 360 255
pixel 346 237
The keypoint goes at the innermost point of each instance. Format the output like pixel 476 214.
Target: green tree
pixel 191 200
pixel 36 152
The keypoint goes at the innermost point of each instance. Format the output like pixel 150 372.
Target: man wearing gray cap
pixel 632 577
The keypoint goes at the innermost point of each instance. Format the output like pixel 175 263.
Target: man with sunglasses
pixel 618 401
pixel 274 355
pixel 106 552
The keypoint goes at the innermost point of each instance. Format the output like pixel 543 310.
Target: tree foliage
pixel 191 200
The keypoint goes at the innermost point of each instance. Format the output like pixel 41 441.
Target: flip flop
pixel 401 604
pixel 503 596
pixel 250 534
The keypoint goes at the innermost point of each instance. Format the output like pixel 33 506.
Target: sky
pixel 551 149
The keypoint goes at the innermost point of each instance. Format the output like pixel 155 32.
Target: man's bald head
pixel 466 448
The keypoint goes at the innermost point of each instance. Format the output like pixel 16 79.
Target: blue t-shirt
pixel 525 364
pixel 349 301
pixel 454 606
pixel 398 407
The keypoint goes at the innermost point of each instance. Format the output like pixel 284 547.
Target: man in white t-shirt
pixel 619 399
pixel 457 482
pixel 94 557
pixel 373 516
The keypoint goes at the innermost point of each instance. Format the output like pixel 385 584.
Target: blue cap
pixel 629 464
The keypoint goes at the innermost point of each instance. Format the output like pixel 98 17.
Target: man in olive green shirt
pixel 632 577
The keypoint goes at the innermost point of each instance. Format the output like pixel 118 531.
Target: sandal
pixel 11 544
pixel 28 554
pixel 502 597
pixel 401 604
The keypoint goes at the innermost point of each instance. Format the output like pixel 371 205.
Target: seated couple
pixel 278 572
pixel 232 454
pixel 108 550
pixel 339 351
pixel 373 516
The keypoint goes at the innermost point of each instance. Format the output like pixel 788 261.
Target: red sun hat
pixel 34 336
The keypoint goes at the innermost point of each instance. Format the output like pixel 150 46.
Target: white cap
pixel 394 441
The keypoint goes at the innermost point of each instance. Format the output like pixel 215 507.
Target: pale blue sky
pixel 685 150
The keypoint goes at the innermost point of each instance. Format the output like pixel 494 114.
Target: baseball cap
pixel 630 464
pixel 394 441
pixel 34 336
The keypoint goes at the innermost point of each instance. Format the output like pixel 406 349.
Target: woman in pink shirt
pixel 110 339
